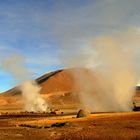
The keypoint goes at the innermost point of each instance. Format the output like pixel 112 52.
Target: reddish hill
pixel 60 80
pixel 56 87
pixel 57 84
pixel 57 81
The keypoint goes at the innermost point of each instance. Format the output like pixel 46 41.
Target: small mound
pixel 82 113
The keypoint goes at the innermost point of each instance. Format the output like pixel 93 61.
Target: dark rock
pixel 30 126
pixel 82 113
pixel 60 124
pixel 45 126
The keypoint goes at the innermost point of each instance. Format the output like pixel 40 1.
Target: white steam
pixel 104 37
pixel 33 100
pixel 113 60
pixel 30 90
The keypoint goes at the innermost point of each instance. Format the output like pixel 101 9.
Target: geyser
pixel 32 99
pixel 111 85
pixel 30 90
pixel 113 60
pixel 104 37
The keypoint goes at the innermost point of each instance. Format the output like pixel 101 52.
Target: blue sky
pixel 35 29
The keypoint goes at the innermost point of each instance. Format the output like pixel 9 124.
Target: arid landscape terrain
pixel 58 89
pixel 125 126
pixel 69 69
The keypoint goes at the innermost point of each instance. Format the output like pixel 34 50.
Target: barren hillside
pixel 57 87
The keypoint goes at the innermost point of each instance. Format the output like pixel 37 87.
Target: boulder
pixel 82 113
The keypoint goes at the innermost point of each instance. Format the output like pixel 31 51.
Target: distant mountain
pixel 56 87
pixel 58 83
pixel 137 87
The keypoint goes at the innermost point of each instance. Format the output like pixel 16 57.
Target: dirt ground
pixel 99 126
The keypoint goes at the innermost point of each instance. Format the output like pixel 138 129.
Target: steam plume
pixel 30 90
pixel 113 59
pixel 33 100
pixel 104 37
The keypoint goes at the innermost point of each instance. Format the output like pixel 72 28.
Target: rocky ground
pixel 99 126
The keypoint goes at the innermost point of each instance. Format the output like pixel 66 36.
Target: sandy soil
pixel 99 126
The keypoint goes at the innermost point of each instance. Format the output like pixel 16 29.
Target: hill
pixel 57 87
pixel 60 80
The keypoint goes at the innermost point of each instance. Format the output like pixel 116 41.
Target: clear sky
pixel 34 29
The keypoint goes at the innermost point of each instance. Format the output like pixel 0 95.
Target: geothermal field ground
pixel 60 121
pixel 69 69
pixel 121 125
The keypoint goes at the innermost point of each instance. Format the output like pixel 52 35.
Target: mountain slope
pixel 60 80
pixel 55 85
